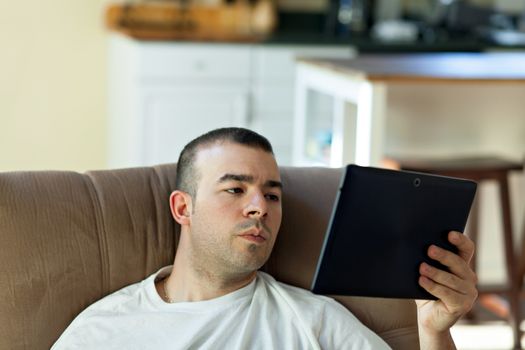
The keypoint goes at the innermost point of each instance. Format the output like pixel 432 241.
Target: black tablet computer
pixel 381 226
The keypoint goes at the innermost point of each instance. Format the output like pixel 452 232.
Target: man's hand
pixel 456 292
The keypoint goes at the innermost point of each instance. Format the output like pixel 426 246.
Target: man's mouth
pixel 254 235
pixel 255 239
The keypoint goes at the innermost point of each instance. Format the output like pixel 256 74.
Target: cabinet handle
pixel 249 109
pixel 243 110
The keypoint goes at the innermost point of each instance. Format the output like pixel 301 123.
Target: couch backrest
pixel 68 239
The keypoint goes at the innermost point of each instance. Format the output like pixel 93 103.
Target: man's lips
pixel 254 235
pixel 256 239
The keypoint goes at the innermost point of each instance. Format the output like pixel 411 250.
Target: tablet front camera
pixel 417 182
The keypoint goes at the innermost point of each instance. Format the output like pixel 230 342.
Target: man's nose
pixel 256 206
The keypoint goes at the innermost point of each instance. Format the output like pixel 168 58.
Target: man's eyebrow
pixel 248 179
pixel 236 177
pixel 273 183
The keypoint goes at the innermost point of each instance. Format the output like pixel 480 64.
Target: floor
pixel 489 333
pixel 495 335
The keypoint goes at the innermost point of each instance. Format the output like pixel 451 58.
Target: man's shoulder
pixel 303 296
pixel 298 291
pixel 133 296
pixel 126 301
pixel 119 299
pixel 330 322
pixel 123 301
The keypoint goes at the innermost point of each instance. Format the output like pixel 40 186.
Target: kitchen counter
pixel 450 67
pixel 409 104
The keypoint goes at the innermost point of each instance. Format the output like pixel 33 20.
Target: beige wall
pixel 52 85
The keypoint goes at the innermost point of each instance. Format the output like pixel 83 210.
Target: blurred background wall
pixel 52 85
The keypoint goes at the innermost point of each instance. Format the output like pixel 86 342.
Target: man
pixel 228 203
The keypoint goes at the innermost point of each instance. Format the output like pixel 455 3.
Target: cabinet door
pixel 174 116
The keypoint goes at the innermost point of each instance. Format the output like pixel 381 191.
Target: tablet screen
pixel 381 226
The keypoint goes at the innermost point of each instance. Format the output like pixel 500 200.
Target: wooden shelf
pixel 240 22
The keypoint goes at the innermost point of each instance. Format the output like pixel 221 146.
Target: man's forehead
pixel 219 159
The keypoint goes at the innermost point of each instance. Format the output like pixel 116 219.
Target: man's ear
pixel 181 205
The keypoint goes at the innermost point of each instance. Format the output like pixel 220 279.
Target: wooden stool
pixel 481 169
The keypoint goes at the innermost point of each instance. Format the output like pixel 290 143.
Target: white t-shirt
pixel 265 314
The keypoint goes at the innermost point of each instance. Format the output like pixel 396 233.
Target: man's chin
pixel 252 264
pixel 251 256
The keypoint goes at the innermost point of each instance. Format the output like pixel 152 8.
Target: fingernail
pixel 425 267
pixel 423 280
pixel 433 251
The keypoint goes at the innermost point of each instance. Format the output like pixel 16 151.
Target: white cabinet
pixel 173 117
pixel 163 94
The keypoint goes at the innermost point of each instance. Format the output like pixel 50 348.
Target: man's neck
pixel 188 283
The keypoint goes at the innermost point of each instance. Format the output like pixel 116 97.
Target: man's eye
pixel 273 197
pixel 234 190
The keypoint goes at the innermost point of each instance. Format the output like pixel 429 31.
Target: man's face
pixel 237 210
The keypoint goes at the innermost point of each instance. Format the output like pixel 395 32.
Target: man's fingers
pixel 456 264
pixel 444 278
pixel 455 288
pixel 439 291
pixel 464 244
pixel 455 302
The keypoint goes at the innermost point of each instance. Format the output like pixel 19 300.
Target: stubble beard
pixel 218 257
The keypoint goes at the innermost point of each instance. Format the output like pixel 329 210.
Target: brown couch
pixel 68 239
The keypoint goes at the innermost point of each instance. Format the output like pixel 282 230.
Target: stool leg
pixel 514 289
pixel 489 301
pixel 521 256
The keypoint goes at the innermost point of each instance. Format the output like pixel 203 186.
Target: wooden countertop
pixel 435 67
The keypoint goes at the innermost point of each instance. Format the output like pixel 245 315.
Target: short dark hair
pixel 187 176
